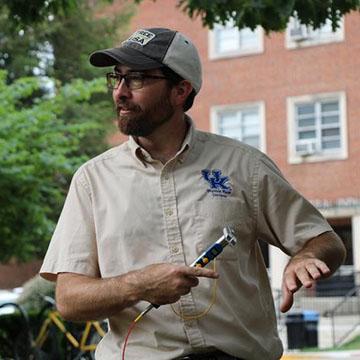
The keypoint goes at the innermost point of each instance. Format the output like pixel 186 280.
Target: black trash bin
pixel 302 329
pixel 296 332
pixel 311 319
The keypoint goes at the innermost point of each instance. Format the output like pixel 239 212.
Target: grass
pixel 354 344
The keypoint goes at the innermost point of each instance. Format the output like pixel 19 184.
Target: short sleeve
pixel 284 217
pixel 73 244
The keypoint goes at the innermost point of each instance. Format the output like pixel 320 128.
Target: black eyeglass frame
pixel 128 78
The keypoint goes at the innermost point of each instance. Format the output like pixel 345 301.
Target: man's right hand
pixel 80 297
pixel 165 283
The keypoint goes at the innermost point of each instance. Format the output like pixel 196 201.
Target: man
pixel 139 214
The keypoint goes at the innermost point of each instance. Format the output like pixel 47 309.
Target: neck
pixel 165 142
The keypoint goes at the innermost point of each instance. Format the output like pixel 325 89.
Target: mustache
pixel 127 106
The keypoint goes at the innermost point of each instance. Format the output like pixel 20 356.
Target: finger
pixel 314 272
pixel 192 281
pixel 184 290
pixel 304 277
pixel 287 299
pixel 322 267
pixel 171 300
pixel 201 272
pixel 291 281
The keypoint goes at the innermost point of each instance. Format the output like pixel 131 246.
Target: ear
pixel 181 91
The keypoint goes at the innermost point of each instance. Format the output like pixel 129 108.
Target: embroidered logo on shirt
pixel 219 184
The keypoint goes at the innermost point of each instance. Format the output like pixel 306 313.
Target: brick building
pixel 294 95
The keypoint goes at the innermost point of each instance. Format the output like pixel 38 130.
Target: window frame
pixel 216 110
pixel 339 154
pixel 291 43
pixel 214 54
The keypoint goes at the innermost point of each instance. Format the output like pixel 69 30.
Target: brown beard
pixel 143 122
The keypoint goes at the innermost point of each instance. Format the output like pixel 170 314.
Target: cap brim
pixel 124 56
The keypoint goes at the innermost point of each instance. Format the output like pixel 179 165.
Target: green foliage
pixel 40 148
pixel 272 15
pixel 43 139
pixel 34 290
pixel 71 53
pixel 17 49
pixel 59 46
pixel 31 12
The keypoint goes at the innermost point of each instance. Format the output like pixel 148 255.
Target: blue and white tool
pixel 228 238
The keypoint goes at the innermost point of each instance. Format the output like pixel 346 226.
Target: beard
pixel 143 122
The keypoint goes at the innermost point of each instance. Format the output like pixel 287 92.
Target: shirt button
pixel 200 248
pixel 174 249
pixel 168 212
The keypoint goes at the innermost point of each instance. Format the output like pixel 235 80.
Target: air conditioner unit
pixel 306 148
pixel 299 32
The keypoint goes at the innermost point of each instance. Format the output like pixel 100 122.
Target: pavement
pixel 323 355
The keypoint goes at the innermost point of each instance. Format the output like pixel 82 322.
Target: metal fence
pixel 337 302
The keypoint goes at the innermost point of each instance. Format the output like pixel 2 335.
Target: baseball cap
pixel 153 48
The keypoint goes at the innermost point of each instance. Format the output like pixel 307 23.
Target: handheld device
pixel 228 238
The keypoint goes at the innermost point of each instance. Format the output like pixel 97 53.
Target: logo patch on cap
pixel 141 37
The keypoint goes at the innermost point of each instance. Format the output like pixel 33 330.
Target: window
pixel 317 127
pixel 229 41
pixel 299 35
pixel 244 122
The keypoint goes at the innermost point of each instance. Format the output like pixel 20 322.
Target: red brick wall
pixel 14 275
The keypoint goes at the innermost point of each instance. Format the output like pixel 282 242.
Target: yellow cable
pixel 206 311
pixel 138 317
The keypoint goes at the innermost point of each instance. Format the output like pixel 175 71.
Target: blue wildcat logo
pixel 219 184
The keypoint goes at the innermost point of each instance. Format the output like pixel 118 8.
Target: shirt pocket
pixel 211 216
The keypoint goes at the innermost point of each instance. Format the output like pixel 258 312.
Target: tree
pixel 50 49
pixel 44 138
pixel 59 46
pixel 39 151
pixel 24 12
pixel 272 15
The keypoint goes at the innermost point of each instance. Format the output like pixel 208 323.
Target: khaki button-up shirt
pixel 125 210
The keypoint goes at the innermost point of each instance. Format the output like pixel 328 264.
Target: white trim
pixel 311 37
pixel 355 226
pixel 341 154
pixel 213 54
pixel 339 213
pixel 215 110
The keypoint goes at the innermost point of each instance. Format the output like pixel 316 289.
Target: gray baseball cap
pixel 153 48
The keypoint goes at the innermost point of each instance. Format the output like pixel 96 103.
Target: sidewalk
pixel 331 355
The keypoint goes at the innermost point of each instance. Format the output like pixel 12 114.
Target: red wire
pixel 131 327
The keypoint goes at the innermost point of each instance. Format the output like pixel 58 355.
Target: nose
pixel 122 91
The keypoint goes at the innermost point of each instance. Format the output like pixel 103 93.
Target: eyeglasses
pixel 133 80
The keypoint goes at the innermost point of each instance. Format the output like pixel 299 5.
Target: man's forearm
pixel 326 247
pixel 80 297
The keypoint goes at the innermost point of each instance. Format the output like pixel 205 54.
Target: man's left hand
pixel 301 271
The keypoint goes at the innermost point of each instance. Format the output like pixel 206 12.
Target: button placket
pixel 170 214
pixel 173 234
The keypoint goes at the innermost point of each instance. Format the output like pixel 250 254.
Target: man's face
pixel 140 112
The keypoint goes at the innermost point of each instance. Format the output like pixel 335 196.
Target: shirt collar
pixel 145 158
